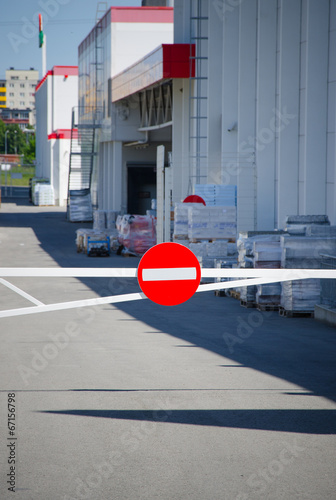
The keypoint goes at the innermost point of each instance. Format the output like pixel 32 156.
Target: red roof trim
pixel 142 14
pixel 41 82
pixel 58 70
pixel 65 70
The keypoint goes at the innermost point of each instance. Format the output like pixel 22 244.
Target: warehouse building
pixel 258 113
pixel 56 95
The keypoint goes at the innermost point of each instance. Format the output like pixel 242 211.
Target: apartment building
pixel 20 87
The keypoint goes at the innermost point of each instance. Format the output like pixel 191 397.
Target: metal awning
pixel 164 63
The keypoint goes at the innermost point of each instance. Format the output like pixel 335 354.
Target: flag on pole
pixel 40 31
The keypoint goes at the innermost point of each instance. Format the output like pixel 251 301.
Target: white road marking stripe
pixel 73 304
pixel 169 274
pixel 21 292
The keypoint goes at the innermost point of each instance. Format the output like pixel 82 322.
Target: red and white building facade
pixel 56 95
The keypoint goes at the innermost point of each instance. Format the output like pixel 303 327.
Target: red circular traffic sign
pixel 169 274
pixel 194 198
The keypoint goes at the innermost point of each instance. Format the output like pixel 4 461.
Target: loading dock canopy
pixel 166 62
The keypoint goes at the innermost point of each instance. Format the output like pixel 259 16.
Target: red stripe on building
pixel 63 133
pixel 142 14
pixel 57 71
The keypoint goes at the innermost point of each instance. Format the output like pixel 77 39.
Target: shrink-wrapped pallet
pixel 212 222
pixel 268 294
pixel 300 295
pixel 181 219
pixel 99 220
pixel 305 252
pixel 137 233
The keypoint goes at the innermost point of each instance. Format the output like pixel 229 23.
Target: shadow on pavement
pixel 300 351
pixel 298 421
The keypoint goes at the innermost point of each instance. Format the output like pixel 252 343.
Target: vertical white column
pixel 180 139
pixel 160 193
pixel 316 107
pixel 265 135
pixel 214 111
pixel 167 191
pixel 115 189
pixel 230 69
pixel 287 114
pixel 246 112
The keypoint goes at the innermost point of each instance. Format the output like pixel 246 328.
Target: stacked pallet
pixel 299 297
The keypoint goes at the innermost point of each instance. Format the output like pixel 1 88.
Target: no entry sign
pixel 169 274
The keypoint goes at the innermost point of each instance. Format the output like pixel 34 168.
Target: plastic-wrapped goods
pixel 212 222
pixel 111 217
pixel 137 233
pixel 305 252
pixel 181 219
pixel 319 230
pixel 266 254
pixel 217 194
pixel 80 206
pixel 43 195
pixel 199 249
pixel 247 293
pixel 299 224
pixel 99 220
pixel 217 249
pixel 268 294
pixel 300 295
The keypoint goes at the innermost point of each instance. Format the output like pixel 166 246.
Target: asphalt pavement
pixel 136 401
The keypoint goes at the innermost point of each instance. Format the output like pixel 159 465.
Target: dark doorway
pixel 141 189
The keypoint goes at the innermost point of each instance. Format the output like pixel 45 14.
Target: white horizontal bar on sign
pixel 73 272
pixel 277 274
pixel 169 274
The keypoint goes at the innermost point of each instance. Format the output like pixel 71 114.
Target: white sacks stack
pixel 43 195
pixel 212 222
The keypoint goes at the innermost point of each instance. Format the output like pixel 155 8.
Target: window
pixel 11 85
pixel 22 85
pixel 11 94
pixel 11 103
pixel 3 94
pixel 22 103
pixel 32 104
pixel 33 85
pixel 31 94
pixel 22 94
pixel 14 77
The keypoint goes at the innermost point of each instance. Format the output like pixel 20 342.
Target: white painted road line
pixel 72 305
pixel 169 274
pixel 21 292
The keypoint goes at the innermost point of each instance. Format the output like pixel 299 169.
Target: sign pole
pixel 44 56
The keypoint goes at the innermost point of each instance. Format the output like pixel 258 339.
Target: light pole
pixel 6 141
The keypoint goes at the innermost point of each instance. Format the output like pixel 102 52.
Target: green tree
pixel 16 141
pixel 29 154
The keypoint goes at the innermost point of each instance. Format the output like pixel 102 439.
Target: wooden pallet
pixel 220 293
pixel 248 305
pixel 234 294
pixel 267 307
pixel 295 314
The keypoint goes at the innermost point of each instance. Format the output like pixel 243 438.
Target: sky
pixel 65 23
